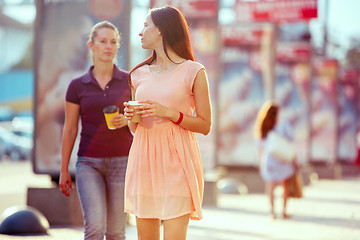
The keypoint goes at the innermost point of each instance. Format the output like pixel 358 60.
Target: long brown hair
pixel 175 34
pixel 266 119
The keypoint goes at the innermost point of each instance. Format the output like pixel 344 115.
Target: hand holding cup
pixel 131 111
pixel 109 113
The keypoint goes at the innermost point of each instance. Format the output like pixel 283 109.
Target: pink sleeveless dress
pixel 164 177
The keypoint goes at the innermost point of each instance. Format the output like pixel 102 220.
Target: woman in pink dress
pixel 164 178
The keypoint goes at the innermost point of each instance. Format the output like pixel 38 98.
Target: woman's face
pixel 105 45
pixel 150 35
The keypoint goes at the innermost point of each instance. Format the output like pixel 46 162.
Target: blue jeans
pixel 100 185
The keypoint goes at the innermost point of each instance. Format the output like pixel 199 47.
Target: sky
pixel 343 19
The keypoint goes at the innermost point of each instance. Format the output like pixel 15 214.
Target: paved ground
pixel 330 210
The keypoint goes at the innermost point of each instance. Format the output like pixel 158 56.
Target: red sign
pixel 276 10
pixel 293 51
pixel 349 75
pixel 251 35
pixel 242 35
pixel 191 8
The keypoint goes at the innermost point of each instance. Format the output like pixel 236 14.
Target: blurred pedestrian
pixel 164 178
pixel 103 153
pixel 272 169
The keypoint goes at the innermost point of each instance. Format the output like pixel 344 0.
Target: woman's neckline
pixel 176 65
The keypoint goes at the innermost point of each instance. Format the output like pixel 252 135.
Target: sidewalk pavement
pixel 329 210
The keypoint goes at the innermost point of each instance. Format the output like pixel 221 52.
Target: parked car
pixel 15 145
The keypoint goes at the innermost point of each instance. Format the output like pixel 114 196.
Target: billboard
pixel 292 92
pixel 348 99
pixel 277 11
pixel 255 69
pixel 242 91
pixel 324 110
pixel 61 53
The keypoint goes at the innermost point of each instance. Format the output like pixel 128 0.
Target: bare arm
pixel 70 131
pixel 200 123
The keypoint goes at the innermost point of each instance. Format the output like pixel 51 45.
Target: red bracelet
pixel 180 119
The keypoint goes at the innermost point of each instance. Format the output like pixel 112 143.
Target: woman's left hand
pixel 119 121
pixel 154 109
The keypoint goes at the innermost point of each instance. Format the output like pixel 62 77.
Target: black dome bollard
pixel 23 220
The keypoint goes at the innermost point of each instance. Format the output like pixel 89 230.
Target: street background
pixel 329 210
pixel 306 58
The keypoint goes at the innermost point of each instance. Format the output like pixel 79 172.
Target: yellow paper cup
pixel 109 113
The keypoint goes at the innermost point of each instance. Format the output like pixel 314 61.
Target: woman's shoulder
pixel 259 142
pixel 193 64
pixel 84 77
pixel 190 67
pixel 139 74
pixel 279 128
pixel 140 70
pixel 285 129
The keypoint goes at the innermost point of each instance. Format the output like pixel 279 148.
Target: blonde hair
pixel 266 118
pixel 99 25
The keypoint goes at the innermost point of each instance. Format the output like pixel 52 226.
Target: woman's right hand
pixel 65 183
pixel 128 112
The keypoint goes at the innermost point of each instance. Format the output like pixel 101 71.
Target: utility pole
pixel 326 20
